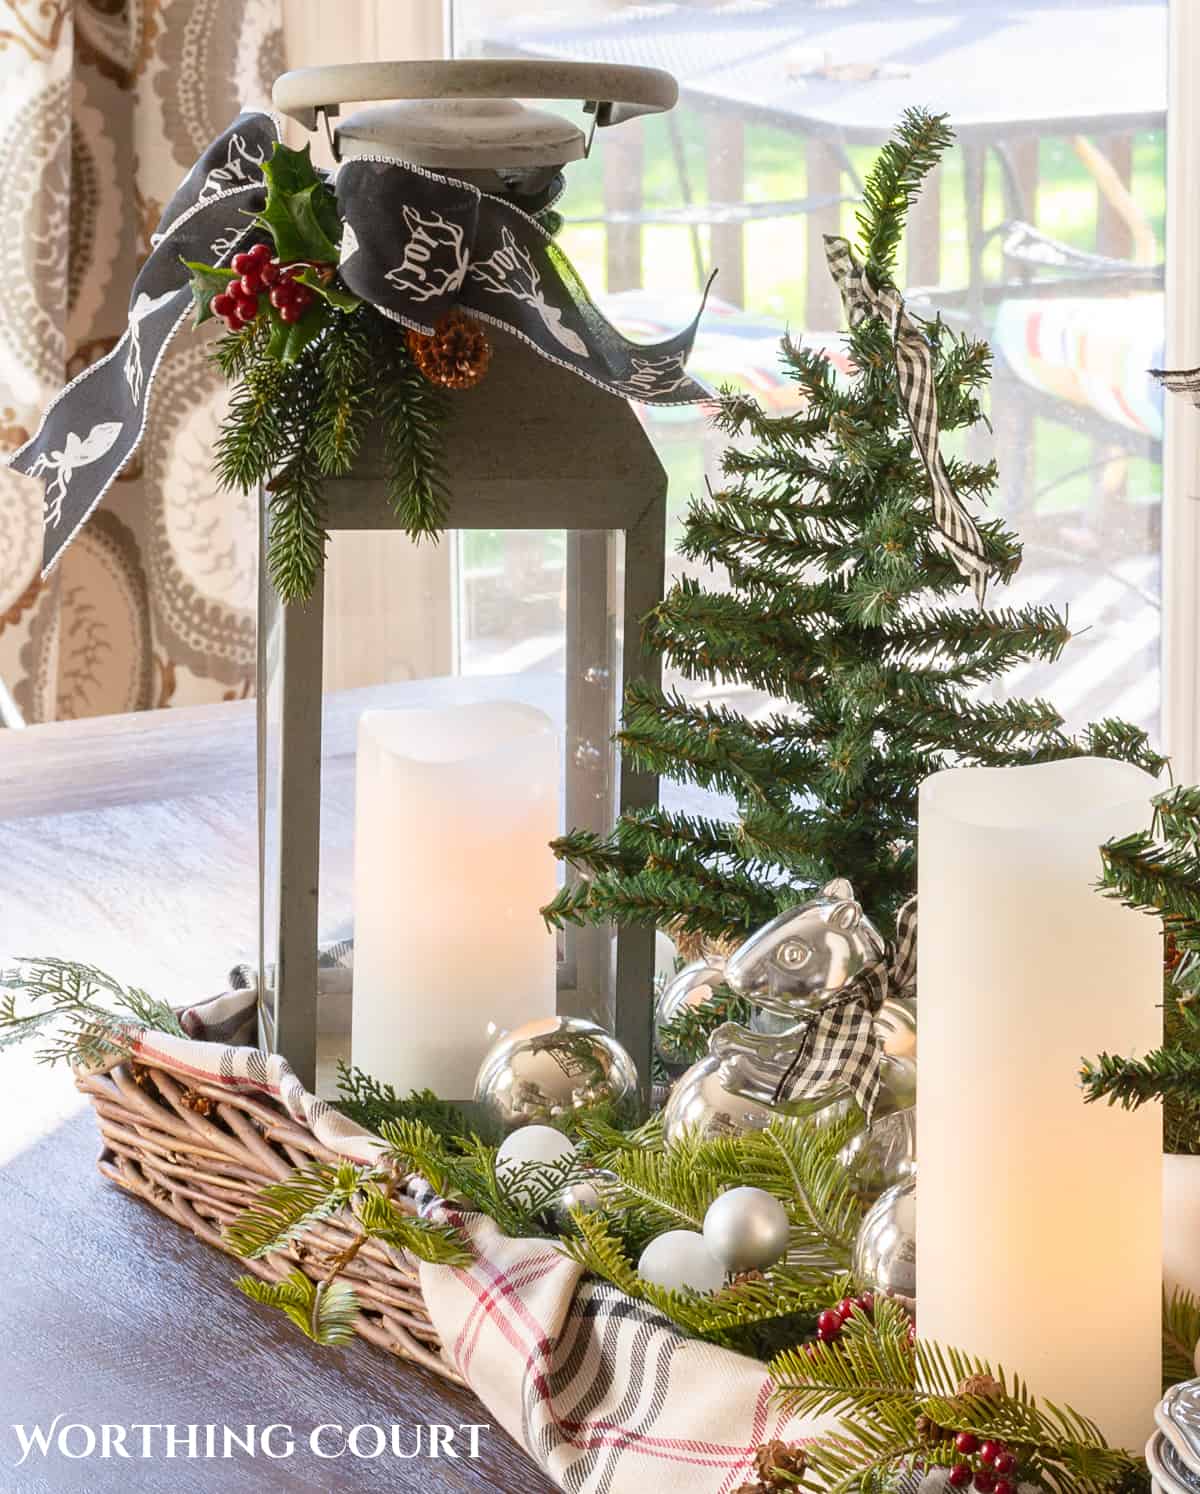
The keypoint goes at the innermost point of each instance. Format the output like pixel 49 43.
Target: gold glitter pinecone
pixel 455 355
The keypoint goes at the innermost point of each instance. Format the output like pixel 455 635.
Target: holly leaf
pixel 300 213
pixel 207 281
pixel 289 339
pixel 335 294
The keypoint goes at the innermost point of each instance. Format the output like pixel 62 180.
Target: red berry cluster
pixel 831 1321
pixel 258 274
pixel 995 1464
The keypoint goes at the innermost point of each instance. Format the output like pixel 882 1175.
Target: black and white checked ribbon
pixel 956 531
pixel 839 1044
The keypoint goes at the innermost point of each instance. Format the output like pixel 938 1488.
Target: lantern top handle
pixel 612 91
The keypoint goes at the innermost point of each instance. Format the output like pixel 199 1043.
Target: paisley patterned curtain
pixel 104 104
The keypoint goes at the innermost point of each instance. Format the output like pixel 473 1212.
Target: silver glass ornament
pixel 691 986
pixel 700 1105
pixel 896 1027
pixel 746 1229
pixel 882 1154
pixel 586 1194
pixel 1178 1418
pixel 551 1066
pixel 884 1258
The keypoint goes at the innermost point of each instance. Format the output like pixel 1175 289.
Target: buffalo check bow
pixel 839 1045
pixel 956 531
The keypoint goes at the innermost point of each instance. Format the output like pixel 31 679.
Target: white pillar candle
pixel 455 808
pixel 1038 1217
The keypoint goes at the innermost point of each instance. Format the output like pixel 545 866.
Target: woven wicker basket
pixel 198 1154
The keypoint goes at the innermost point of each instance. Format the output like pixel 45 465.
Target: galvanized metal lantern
pixel 532 447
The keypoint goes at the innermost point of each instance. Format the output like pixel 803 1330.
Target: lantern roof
pixel 532 446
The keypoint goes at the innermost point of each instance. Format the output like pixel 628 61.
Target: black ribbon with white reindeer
pixel 955 530
pixel 840 1044
pixel 414 244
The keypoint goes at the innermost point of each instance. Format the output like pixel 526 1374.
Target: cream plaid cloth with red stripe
pixel 606 1396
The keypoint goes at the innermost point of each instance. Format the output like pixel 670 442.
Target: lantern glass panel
pixel 398 632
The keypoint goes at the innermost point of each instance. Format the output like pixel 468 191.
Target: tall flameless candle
pixel 1038 1217
pixel 455 809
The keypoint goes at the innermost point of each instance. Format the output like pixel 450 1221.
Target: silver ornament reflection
pixel 885 1251
pixel 553 1065
pixel 691 986
pixel 700 1105
pixel 746 1229
pixel 896 1026
pixel 586 1194
pixel 883 1154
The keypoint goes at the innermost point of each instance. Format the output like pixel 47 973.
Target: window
pixel 1043 231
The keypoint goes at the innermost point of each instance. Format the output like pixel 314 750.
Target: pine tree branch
pixel 413 414
pixel 894 183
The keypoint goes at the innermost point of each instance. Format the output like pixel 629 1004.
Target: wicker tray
pixel 198 1154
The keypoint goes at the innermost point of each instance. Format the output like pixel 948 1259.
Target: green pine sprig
pixel 282 1212
pixel 292 426
pixel 360 1200
pixel 305 393
pixel 324 1311
pixel 1157 872
pixel 1181 1334
pixel 412 413
pixel 899 1402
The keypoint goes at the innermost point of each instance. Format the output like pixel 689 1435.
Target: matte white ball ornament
pixel 681 1260
pixel 531 1144
pixel 746 1229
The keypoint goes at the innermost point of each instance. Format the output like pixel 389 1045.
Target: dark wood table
pixel 129 842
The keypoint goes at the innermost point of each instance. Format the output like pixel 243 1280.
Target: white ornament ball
pixel 531 1144
pixel 746 1229
pixel 680 1260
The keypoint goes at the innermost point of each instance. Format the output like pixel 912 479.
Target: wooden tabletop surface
pixel 129 842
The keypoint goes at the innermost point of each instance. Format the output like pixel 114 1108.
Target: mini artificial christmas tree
pixel 849 604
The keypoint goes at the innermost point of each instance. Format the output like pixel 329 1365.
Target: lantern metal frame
pixel 533 446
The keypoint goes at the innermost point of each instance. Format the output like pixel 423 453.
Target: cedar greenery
pixel 842 608
pixel 1158 872
pixel 81 1015
pixel 368 1102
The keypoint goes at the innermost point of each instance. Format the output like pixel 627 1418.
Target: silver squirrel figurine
pixel 787 970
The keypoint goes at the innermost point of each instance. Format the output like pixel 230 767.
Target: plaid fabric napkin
pixel 603 1392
